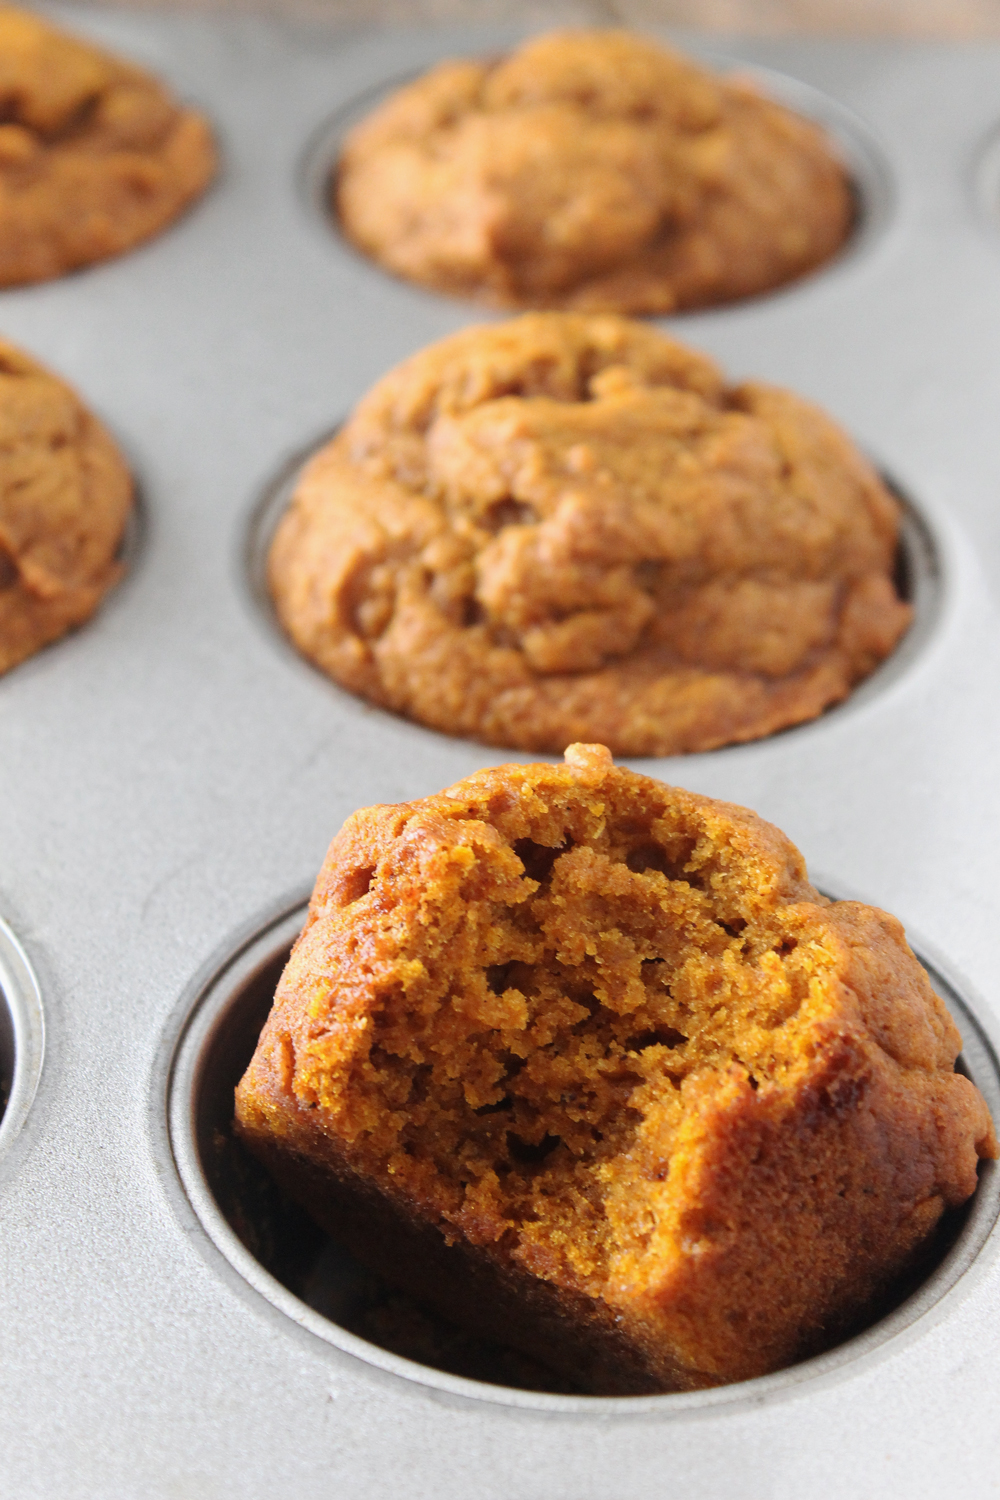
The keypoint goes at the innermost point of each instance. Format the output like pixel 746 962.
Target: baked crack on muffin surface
pixel 596 170
pixel 95 155
pixel 568 527
pixel 65 497
pixel 586 1063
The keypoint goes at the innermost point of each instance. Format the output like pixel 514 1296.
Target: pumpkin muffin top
pixel 95 154
pixel 596 170
pixel 569 527
pixel 65 498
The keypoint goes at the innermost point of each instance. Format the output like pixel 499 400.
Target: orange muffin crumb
pixel 568 527
pixel 95 155
pixel 65 498
pixel 596 170
pixel 586 1063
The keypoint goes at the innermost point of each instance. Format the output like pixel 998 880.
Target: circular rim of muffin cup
pixel 195 1099
pixel 920 574
pixel 22 1036
pixel 134 545
pixel 870 175
pixel 984 183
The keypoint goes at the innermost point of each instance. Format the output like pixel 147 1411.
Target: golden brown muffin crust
pixel 95 155
pixel 568 527
pixel 65 495
pixel 603 1038
pixel 595 170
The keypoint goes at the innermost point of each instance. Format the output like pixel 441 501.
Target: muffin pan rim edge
pixel 216 990
pixel 868 164
pixel 20 994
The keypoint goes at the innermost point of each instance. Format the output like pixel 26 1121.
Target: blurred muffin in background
pixel 595 170
pixel 65 498
pixel 95 155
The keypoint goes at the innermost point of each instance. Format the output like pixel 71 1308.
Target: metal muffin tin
pixel 171 774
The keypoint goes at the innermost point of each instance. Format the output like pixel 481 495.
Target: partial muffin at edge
pixel 596 170
pixel 95 154
pixel 568 527
pixel 586 1063
pixel 65 498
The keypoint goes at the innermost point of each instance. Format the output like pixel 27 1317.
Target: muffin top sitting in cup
pixel 595 170
pixel 65 499
pixel 569 527
pixel 95 154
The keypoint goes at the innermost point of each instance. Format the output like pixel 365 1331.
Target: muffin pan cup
pixel 22 1037
pixel 172 770
pixel 271 1244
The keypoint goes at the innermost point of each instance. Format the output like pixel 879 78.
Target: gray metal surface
pixel 172 773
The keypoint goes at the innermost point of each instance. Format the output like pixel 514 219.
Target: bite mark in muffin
pixel 585 1062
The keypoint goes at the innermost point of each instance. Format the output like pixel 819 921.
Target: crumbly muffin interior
pixel 604 1035
pixel 575 960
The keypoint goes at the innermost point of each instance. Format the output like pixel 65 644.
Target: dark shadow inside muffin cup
pixel 293 1250
pixel 869 174
pixel 7 1053
pixel 132 543
pixel 986 184
pixel 917 576
pixel 235 1195
pixel 22 1036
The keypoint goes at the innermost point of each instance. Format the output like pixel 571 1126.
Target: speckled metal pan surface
pixel 170 777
